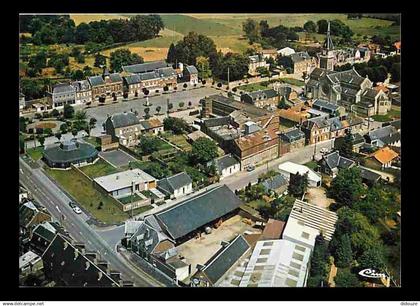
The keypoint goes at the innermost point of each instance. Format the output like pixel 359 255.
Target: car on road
pixel 324 150
pixel 76 209
pixel 250 168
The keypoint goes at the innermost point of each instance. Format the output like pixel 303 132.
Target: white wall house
pixel 287 168
pixel 226 165
pixel 176 186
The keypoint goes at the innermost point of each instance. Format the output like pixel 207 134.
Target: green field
pixel 251 87
pixel 100 168
pixel 35 153
pixel 130 199
pixel 180 141
pixel 312 165
pixel 292 81
pixel 88 197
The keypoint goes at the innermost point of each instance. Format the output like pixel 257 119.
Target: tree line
pixel 57 29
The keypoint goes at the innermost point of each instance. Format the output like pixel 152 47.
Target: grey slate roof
pixel 132 79
pixel 81 85
pixel 124 119
pixel 358 139
pixel 225 162
pixel 299 57
pixel 325 105
pixel 382 132
pixel 145 67
pixel 166 72
pixel 347 77
pixel 147 237
pixel 68 154
pixel 321 122
pixel 335 124
pixel 369 93
pixel 198 211
pixel 292 135
pixel 369 175
pixel 26 213
pixel 170 184
pixel 334 160
pixel 225 258
pixel 63 88
pixel 274 182
pixel 96 80
pixel 148 76
pixel 191 69
pixel 115 77
pixel 262 94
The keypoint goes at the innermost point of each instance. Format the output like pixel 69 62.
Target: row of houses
pixel 131 82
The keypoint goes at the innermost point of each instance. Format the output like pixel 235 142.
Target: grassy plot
pixel 312 165
pixel 251 87
pixel 180 141
pixel 130 199
pixel 100 168
pixel 35 153
pixel 79 18
pixel 88 197
pixel 292 81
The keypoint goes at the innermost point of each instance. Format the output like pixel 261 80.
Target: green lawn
pixel 180 141
pixel 312 165
pixel 92 140
pixel 382 118
pixel 141 210
pixel 35 153
pixel 293 81
pixel 251 87
pixel 130 199
pixel 88 197
pixel 100 168
pixel 257 203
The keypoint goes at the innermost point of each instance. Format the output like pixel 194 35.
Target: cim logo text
pixel 371 273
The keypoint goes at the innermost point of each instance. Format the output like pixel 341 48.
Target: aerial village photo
pixel 209 150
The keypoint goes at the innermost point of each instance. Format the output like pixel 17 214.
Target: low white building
pixel 176 186
pixel 296 231
pixel 277 263
pixel 287 168
pixel 124 183
pixel 285 51
pixel 226 165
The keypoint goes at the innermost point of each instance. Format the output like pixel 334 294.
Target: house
pixel 269 53
pixel 153 126
pixel 183 220
pixel 226 165
pixel 313 216
pixel 42 236
pixel 30 216
pixel 70 264
pixel 123 127
pixel 273 230
pixel 331 109
pixel 255 62
pixel 277 263
pixel 190 74
pixel 358 141
pixel 176 186
pixel 384 136
pixel 291 140
pixel 285 51
pixel 301 62
pixel 256 148
pixel 288 168
pixel 331 163
pixel 316 129
pixel 69 153
pixel 60 95
pixel 168 77
pixel 145 67
pixel 385 156
pixel 212 273
pixel 106 86
pixel 296 114
pixel 277 183
pixel 347 88
pixel 368 176
pixel 261 98
pixel 83 92
pixel 125 183
pixel 132 85
pixel 29 264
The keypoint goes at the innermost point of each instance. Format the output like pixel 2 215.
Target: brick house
pixel 123 127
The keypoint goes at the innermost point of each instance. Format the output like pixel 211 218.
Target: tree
pixel 189 104
pixel 181 104
pixel 262 70
pixel 322 26
pixel 343 253
pixel 22 124
pixel 193 45
pixel 203 67
pixel 146 113
pixel 156 170
pixel 63 128
pixel 80 120
pixel 123 57
pixel 68 111
pixel 264 28
pixel 176 125
pixel 237 64
pixel 158 108
pixel 74 132
pixel 170 106
pixel 346 188
pixel 203 150
pixel 48 132
pixel 309 26
pixel 92 122
pixel 282 104
pixel 372 258
pixel 77 75
pixel 319 268
pixel 21 144
pixel 345 278
pixel 171 57
pixel 298 184
pixel 100 60
pixel 252 31
pixel 396 72
pixel 149 144
pixel 41 140
pixel 346 147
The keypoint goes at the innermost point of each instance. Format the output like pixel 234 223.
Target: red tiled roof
pixel 273 229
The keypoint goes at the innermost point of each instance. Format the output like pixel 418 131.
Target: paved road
pixel 49 195
pixel 193 95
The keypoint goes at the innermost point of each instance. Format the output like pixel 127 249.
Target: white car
pixel 323 150
pixel 77 210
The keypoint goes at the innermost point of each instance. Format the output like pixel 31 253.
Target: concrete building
pixel 288 168
pixel 125 183
pixel 83 92
pixel 60 95
pixel 29 264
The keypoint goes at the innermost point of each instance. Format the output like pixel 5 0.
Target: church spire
pixel 328 41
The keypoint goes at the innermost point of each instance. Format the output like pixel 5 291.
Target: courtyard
pixel 200 250
pixel 117 158
pixel 318 197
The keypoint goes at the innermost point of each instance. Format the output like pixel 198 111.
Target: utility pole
pixel 228 76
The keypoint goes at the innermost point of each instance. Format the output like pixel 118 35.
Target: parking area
pixel 200 250
pixel 117 158
pixel 318 197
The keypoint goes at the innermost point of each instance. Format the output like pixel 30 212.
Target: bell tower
pixel 326 59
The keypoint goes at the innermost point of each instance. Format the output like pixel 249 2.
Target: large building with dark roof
pixel 291 140
pixel 123 127
pixel 176 185
pixel 333 162
pixel 61 94
pixel 68 153
pixel 106 86
pixel 181 221
pixel 262 98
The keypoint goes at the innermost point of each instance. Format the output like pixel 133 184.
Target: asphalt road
pixel 49 195
pixel 193 95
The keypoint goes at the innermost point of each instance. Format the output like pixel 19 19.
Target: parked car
pixel 324 150
pixel 72 204
pixel 77 210
pixel 250 168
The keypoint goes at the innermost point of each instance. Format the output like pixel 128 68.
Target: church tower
pixel 326 59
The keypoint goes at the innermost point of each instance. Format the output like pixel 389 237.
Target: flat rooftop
pixel 123 179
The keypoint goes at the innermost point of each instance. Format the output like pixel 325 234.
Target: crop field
pixel 79 18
